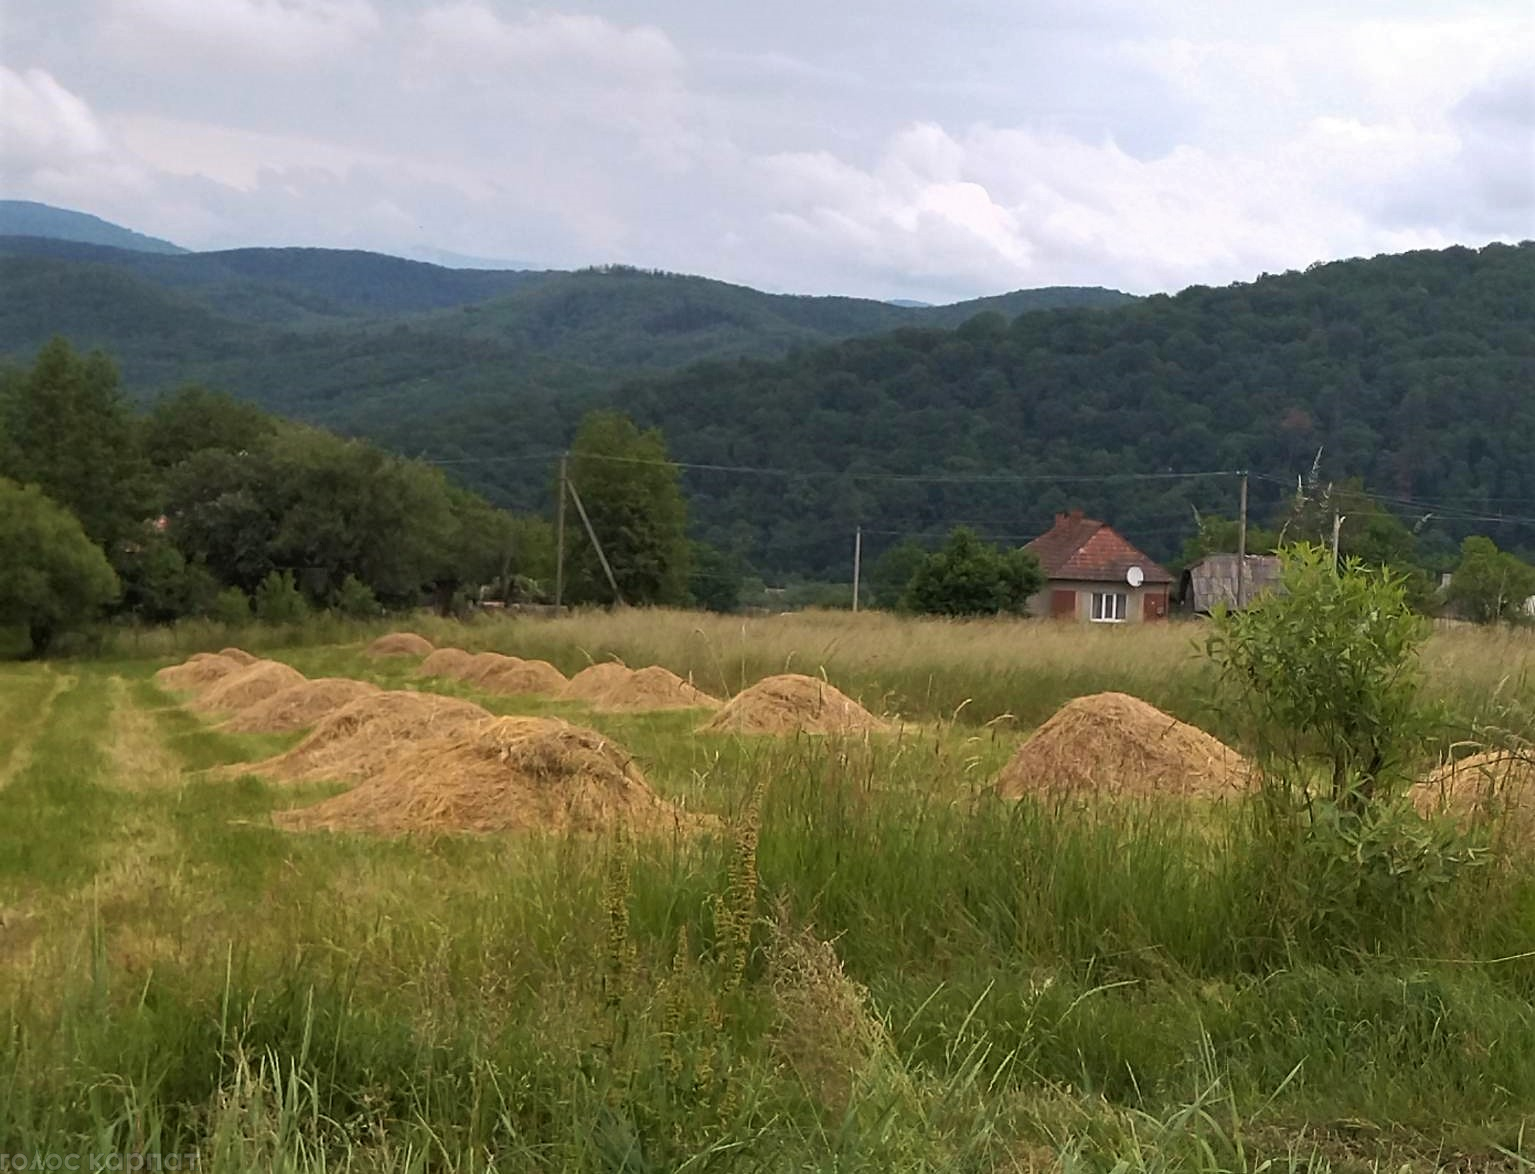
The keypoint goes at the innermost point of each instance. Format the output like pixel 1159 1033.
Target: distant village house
pixel 1212 582
pixel 1092 574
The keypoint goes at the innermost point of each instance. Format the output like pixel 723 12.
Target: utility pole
pixel 1337 528
pixel 559 542
pixel 857 564
pixel 596 545
pixel 1242 547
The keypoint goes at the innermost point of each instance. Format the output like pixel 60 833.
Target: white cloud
pixel 283 32
pixel 473 31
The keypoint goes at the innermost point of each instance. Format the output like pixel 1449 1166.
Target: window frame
pixel 1106 603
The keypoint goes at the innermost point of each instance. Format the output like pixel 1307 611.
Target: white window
pixel 1109 607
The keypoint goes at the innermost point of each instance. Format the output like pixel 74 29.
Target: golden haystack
pixel 367 735
pixel 791 703
pixel 198 672
pixel 445 662
pixel 299 706
pixel 1491 784
pixel 592 682
pixel 506 775
pixel 1112 743
pixel 654 688
pixel 524 676
pixel 253 683
pixel 486 664
pixel 400 644
pixel 239 655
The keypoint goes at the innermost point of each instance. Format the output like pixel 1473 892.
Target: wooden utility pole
pixel 1337 528
pixel 857 564
pixel 1242 547
pixel 559 541
pixel 596 545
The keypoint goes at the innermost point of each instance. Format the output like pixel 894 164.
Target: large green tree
pixel 969 577
pixel 52 576
pixel 632 494
pixel 1490 584
pixel 70 433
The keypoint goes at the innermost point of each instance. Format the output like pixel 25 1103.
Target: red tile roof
pixel 1087 549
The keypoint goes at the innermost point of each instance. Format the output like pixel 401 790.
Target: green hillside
pixel 28 218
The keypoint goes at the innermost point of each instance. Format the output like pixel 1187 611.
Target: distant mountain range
pixel 27 218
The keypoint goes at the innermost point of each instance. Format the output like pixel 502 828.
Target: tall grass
pixel 875 967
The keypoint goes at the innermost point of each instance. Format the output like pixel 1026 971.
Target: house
pixel 1093 574
pixel 1212 581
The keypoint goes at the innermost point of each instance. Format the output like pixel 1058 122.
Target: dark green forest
pixel 1411 376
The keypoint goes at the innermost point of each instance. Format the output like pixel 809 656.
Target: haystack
pixel 367 735
pixel 1491 784
pixel 524 676
pixel 506 775
pixel 445 662
pixel 791 703
pixel 239 655
pixel 299 706
pixel 593 682
pixel 1112 743
pixel 654 688
pixel 487 664
pixel 197 673
pixel 400 644
pixel 253 683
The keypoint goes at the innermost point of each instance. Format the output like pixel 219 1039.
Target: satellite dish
pixel 1135 576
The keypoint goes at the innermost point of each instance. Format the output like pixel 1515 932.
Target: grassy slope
pixel 1018 989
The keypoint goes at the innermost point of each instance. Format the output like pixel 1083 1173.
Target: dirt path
pixel 20 756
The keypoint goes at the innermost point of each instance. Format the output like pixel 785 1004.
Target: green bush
pixel 969 577
pixel 355 599
pixel 231 607
pixel 279 601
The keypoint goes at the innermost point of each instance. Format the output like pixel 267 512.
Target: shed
pixel 1212 581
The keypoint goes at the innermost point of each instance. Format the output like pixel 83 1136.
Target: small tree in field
pixel 52 577
pixel 279 601
pixel 1323 680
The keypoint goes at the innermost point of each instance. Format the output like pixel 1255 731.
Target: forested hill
pixel 29 218
pixel 1415 373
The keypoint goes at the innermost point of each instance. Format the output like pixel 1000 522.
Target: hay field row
pixel 864 959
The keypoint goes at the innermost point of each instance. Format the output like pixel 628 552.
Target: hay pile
pixel 445 662
pixel 299 706
pixel 1115 744
pixel 400 644
pixel 368 735
pixel 239 655
pixel 509 774
pixel 524 676
pixel 654 688
pixel 592 682
pixel 793 703
pixel 253 683
pixel 486 664
pixel 1491 784
pixel 198 672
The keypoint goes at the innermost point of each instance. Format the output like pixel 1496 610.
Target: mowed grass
pixel 876 966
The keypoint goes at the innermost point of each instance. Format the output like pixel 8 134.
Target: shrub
pixel 231 606
pixel 355 599
pixel 279 601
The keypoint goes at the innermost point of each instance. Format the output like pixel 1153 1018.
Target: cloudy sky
pixel 886 148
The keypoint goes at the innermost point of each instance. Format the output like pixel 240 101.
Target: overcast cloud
pixel 891 149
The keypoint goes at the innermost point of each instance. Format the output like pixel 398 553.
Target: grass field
pixel 876 966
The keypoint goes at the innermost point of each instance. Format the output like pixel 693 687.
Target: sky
pixel 881 148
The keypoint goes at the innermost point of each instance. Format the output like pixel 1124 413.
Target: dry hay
pixel 593 682
pixel 400 644
pixel 654 688
pixel 367 735
pixel 505 775
pixel 524 676
pixel 255 682
pixel 1115 744
pixel 197 673
pixel 791 703
pixel 487 664
pixel 299 706
pixel 444 662
pixel 1488 785
pixel 239 655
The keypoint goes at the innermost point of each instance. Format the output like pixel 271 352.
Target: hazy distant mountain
pixel 28 218
pixel 907 303
pixel 447 257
